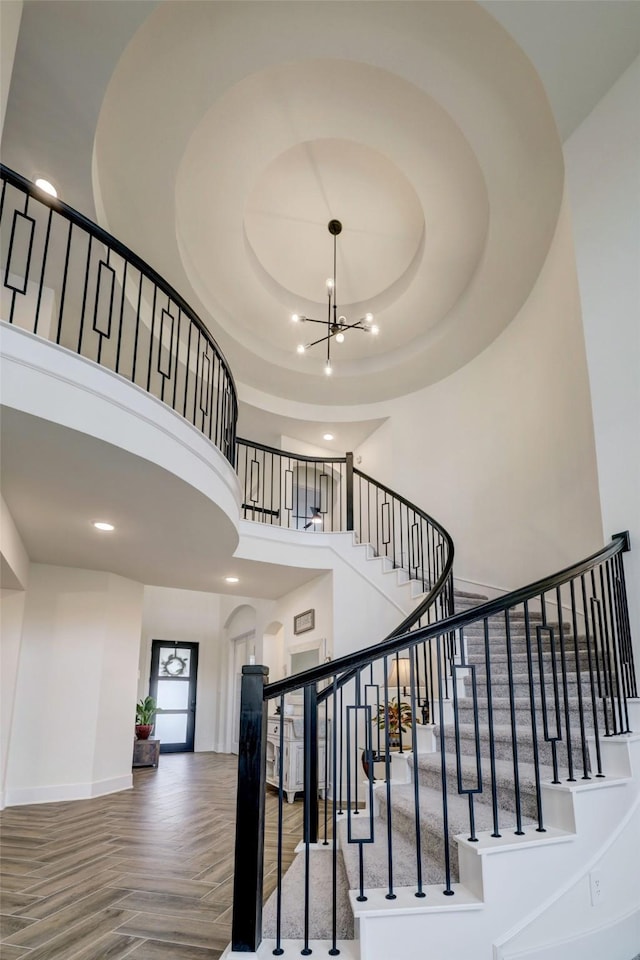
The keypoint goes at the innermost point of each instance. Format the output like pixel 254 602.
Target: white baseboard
pixel 56 793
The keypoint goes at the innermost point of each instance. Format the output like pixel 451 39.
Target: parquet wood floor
pixel 145 874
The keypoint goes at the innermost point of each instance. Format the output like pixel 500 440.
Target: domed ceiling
pixel 231 133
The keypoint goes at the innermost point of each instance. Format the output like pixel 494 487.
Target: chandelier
pixel 336 326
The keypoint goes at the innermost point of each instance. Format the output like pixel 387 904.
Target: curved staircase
pixel 525 785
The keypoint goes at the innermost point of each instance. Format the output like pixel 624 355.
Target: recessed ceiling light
pixel 101 525
pixel 232 579
pixel 46 187
pixel 328 436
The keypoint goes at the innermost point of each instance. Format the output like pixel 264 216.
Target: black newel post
pixel 349 479
pixel 311 764
pixel 246 930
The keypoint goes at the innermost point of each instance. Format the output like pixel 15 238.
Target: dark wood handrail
pixel 286 453
pixel 361 658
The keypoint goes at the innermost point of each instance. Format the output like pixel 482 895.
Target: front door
pixel 174 673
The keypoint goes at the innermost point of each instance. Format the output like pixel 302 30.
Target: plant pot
pixel 143 730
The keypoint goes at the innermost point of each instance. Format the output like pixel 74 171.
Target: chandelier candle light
pixel 336 326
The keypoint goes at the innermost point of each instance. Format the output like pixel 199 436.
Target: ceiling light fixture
pixel 101 525
pixel 327 436
pixel 336 325
pixel 46 187
pixel 316 518
pixel 232 579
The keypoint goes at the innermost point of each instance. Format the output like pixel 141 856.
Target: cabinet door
pixel 273 761
pixel 296 766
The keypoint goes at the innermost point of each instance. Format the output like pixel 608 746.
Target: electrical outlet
pixel 595 884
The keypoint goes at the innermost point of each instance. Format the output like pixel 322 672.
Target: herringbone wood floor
pixel 146 874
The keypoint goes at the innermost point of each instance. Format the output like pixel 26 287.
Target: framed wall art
pixel 304 621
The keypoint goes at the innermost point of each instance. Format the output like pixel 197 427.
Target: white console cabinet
pixel 293 745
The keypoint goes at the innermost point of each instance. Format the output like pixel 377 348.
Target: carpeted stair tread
pixel 320 884
pixel 470 595
pixel 501 709
pixel 376 866
pixel 432 821
pixel 429 774
pixel 503 742
pixel 431 810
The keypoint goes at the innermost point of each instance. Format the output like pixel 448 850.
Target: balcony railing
pixel 66 279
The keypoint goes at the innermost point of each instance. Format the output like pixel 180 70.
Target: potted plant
pixel 397 717
pixel 145 714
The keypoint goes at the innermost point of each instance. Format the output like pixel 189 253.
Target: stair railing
pixel 321 495
pixel 68 280
pixel 536 681
pixel 329 494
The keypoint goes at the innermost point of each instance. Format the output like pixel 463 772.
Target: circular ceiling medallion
pixel 287 211
pixel 408 133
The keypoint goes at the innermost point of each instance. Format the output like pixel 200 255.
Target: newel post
pixel 349 479
pixel 310 828
pixel 246 929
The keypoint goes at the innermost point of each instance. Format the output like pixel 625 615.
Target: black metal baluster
pixel 174 402
pixel 186 375
pixel 606 652
pixel 151 339
pixel 326 772
pixel 310 798
pixel 45 253
pixel 341 793
pixel 121 321
pixel 448 892
pixel 196 379
pixel 470 668
pixel 84 295
pixel 626 653
pixel 576 649
pixel 219 404
pixel 565 686
pixel 549 738
pixel 598 651
pixel 390 895
pixel 278 948
pixel 333 952
pixel 137 333
pixel 273 509
pixel 356 798
pixel 633 686
pixel 534 729
pixel 514 734
pixel 64 283
pixel 592 683
pixel 623 728
pixel 416 784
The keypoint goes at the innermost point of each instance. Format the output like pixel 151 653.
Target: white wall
pixel 603 176
pixel 15 576
pixel 187 616
pixel 317 595
pixel 11 619
pixel 76 687
pixel 15 561
pixel 10 16
pixel 502 452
